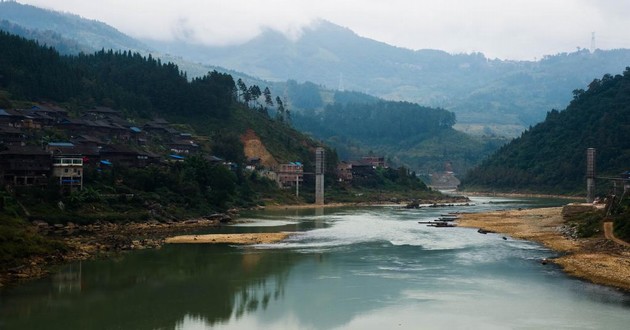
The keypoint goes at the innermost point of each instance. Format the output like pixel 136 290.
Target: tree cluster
pixel 385 120
pixel 551 156
pixel 123 80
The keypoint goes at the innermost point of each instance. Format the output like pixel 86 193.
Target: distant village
pixel 33 152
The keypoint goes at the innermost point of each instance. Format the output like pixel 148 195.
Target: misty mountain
pixel 483 92
pixel 91 33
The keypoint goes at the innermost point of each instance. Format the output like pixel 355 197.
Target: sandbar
pixel 251 238
pixel 596 259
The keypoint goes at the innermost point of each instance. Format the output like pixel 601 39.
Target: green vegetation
pixel 19 240
pixel 385 184
pixel 586 224
pixel 142 88
pixel 551 156
pixel 481 90
pixel 621 218
pixel 414 136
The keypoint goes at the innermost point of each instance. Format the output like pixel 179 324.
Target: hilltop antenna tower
pixel 592 42
pixel 590 175
pixel 340 82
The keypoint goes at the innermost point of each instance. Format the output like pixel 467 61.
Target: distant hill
pixel 551 156
pixel 418 137
pixel 90 33
pixel 481 91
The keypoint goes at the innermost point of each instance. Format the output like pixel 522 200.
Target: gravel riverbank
pixel 596 259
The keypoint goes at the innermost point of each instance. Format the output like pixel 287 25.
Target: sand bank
pixel 254 238
pixel 595 259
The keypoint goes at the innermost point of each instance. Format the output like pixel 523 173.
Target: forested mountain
pixel 314 108
pixel 551 156
pixel 502 96
pixel 142 89
pixel 135 84
pixel 418 137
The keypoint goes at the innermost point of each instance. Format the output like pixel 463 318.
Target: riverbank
pixel 437 202
pixel 100 240
pixel 595 259
pixel 250 238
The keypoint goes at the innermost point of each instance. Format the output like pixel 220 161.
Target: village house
pixel 183 147
pixel 101 113
pixel 49 110
pixel 349 171
pixel 119 155
pixel 290 174
pixel 11 136
pixel 25 166
pixel 375 161
pixel 60 148
pixel 11 118
pixel 344 171
pixel 68 169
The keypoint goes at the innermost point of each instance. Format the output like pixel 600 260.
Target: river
pixel 348 268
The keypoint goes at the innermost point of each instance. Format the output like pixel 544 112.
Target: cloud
pixel 515 29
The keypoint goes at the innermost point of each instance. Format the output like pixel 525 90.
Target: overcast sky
pixel 507 29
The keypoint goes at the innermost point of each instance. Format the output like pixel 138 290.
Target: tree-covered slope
pixel 418 137
pixel 551 156
pixel 479 90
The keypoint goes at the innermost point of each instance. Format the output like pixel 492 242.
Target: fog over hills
pixel 481 91
pixel 490 97
pixel 91 33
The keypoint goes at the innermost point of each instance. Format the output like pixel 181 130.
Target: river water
pixel 348 268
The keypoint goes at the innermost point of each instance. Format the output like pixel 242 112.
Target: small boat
pixel 441 224
pixel 483 231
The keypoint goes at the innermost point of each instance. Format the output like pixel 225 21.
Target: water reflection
pixel 351 268
pixel 151 289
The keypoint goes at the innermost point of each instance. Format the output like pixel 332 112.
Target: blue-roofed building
pixel 61 148
pixel 69 171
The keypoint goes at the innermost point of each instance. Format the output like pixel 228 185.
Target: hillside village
pixel 45 142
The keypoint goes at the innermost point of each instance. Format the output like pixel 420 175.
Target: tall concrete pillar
pixel 319 176
pixel 590 175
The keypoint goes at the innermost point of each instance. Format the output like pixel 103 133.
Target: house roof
pixel 49 108
pixel 359 163
pixel 9 130
pixel 10 113
pixel 61 144
pixel 25 150
pixel 119 149
pixel 102 110
pixel 88 138
pixel 213 158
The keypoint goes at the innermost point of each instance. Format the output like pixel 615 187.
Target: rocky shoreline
pixel 104 239
pixel 596 259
